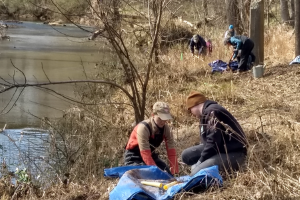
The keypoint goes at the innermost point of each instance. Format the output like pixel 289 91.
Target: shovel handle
pixel 152 183
pixel 229 61
pixel 231 56
pixel 167 186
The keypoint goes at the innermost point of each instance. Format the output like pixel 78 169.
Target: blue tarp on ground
pixel 220 66
pixel 117 172
pixel 296 60
pixel 130 187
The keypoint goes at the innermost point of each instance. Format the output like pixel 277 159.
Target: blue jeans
pixel 226 162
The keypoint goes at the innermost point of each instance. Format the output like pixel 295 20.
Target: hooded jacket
pixel 220 132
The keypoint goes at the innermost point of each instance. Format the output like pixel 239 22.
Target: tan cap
pixel 194 99
pixel 162 110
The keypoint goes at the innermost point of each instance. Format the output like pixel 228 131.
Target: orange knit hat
pixel 194 98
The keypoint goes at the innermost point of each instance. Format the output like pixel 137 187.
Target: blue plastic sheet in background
pixel 220 66
pixel 296 60
pixel 129 186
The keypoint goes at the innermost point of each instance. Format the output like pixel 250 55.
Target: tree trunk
pixel 285 16
pixel 205 10
pixel 233 16
pixel 257 29
pixel 297 27
pixel 244 8
pixel 292 12
pixel 232 12
pixel 116 17
pixel 268 13
pixel 156 10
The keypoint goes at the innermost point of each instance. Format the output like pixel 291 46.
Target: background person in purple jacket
pixel 223 140
pixel 198 43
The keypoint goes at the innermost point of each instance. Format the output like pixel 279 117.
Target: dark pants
pixel 203 52
pixel 245 52
pixel 134 158
pixel 226 162
pixel 251 59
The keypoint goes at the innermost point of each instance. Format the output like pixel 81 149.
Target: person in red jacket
pixel 147 136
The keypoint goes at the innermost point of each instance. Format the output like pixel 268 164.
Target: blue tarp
pixel 220 66
pixel 296 60
pixel 119 171
pixel 130 187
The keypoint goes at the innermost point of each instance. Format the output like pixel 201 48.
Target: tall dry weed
pixel 267 109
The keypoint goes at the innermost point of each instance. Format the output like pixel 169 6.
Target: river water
pixel 42 53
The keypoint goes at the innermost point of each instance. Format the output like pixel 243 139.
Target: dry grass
pixel 267 109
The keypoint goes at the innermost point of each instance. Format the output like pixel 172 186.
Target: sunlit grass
pixel 267 109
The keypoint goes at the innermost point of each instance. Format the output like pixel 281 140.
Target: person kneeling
pixel 147 136
pixel 223 140
pixel 197 42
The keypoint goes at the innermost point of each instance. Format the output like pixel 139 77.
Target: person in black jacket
pixel 223 140
pixel 198 43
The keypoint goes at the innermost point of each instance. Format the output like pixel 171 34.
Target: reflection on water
pixel 25 148
pixel 44 54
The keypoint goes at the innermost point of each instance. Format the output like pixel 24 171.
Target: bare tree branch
pixel 1 113
pixel 9 102
pixel 65 82
pixel 8 83
pixel 45 73
pixel 25 80
pixel 107 13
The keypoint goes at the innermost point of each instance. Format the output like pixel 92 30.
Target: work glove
pixel 194 166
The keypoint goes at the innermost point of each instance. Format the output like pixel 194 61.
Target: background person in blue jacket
pixel 243 46
pixel 223 140
pixel 230 32
pixel 198 43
